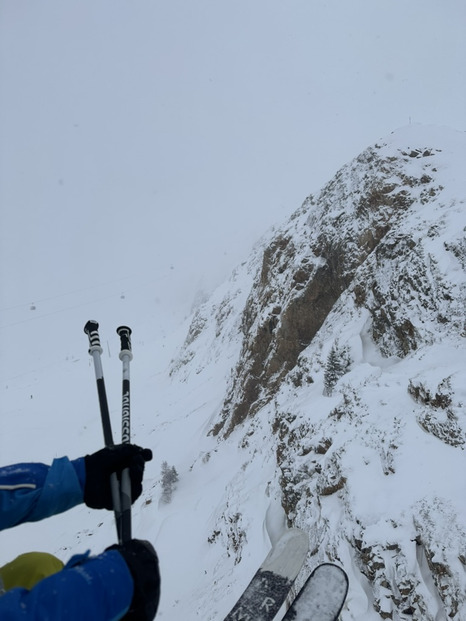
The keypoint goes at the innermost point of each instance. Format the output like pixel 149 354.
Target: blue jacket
pixel 93 588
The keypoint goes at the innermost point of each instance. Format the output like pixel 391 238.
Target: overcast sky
pixel 149 143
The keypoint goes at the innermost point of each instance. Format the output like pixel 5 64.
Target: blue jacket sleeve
pixel 31 492
pixel 95 589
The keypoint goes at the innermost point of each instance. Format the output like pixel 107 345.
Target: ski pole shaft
pixel 95 350
pixel 125 356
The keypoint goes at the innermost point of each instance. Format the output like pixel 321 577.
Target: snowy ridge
pixel 313 259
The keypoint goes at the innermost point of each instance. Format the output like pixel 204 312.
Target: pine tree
pixel 169 480
pixel 338 363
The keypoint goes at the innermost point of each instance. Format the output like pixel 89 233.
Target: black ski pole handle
pixel 95 350
pixel 125 356
pixel 125 337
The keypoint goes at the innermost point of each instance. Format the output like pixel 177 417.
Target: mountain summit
pixel 336 357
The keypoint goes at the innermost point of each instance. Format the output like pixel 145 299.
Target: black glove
pixel 143 564
pixel 100 465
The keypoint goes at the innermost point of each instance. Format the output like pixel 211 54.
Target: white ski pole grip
pixel 95 350
pixel 92 330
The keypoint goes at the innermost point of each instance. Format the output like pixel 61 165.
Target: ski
pixel 322 596
pixel 270 585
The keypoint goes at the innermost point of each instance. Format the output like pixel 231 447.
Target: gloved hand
pixel 143 565
pixel 100 465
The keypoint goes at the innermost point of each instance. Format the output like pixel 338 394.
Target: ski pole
pixel 95 350
pixel 125 356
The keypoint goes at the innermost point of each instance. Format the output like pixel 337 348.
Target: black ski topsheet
pixel 272 582
pixel 322 596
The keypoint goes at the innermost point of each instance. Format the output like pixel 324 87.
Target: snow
pixel 226 511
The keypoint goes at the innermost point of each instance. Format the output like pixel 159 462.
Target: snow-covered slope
pixel 322 386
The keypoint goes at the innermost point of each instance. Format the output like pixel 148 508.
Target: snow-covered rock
pixel 341 348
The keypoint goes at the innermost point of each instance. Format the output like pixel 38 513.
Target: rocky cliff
pixel 340 346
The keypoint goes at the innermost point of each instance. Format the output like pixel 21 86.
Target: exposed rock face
pixel 315 258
